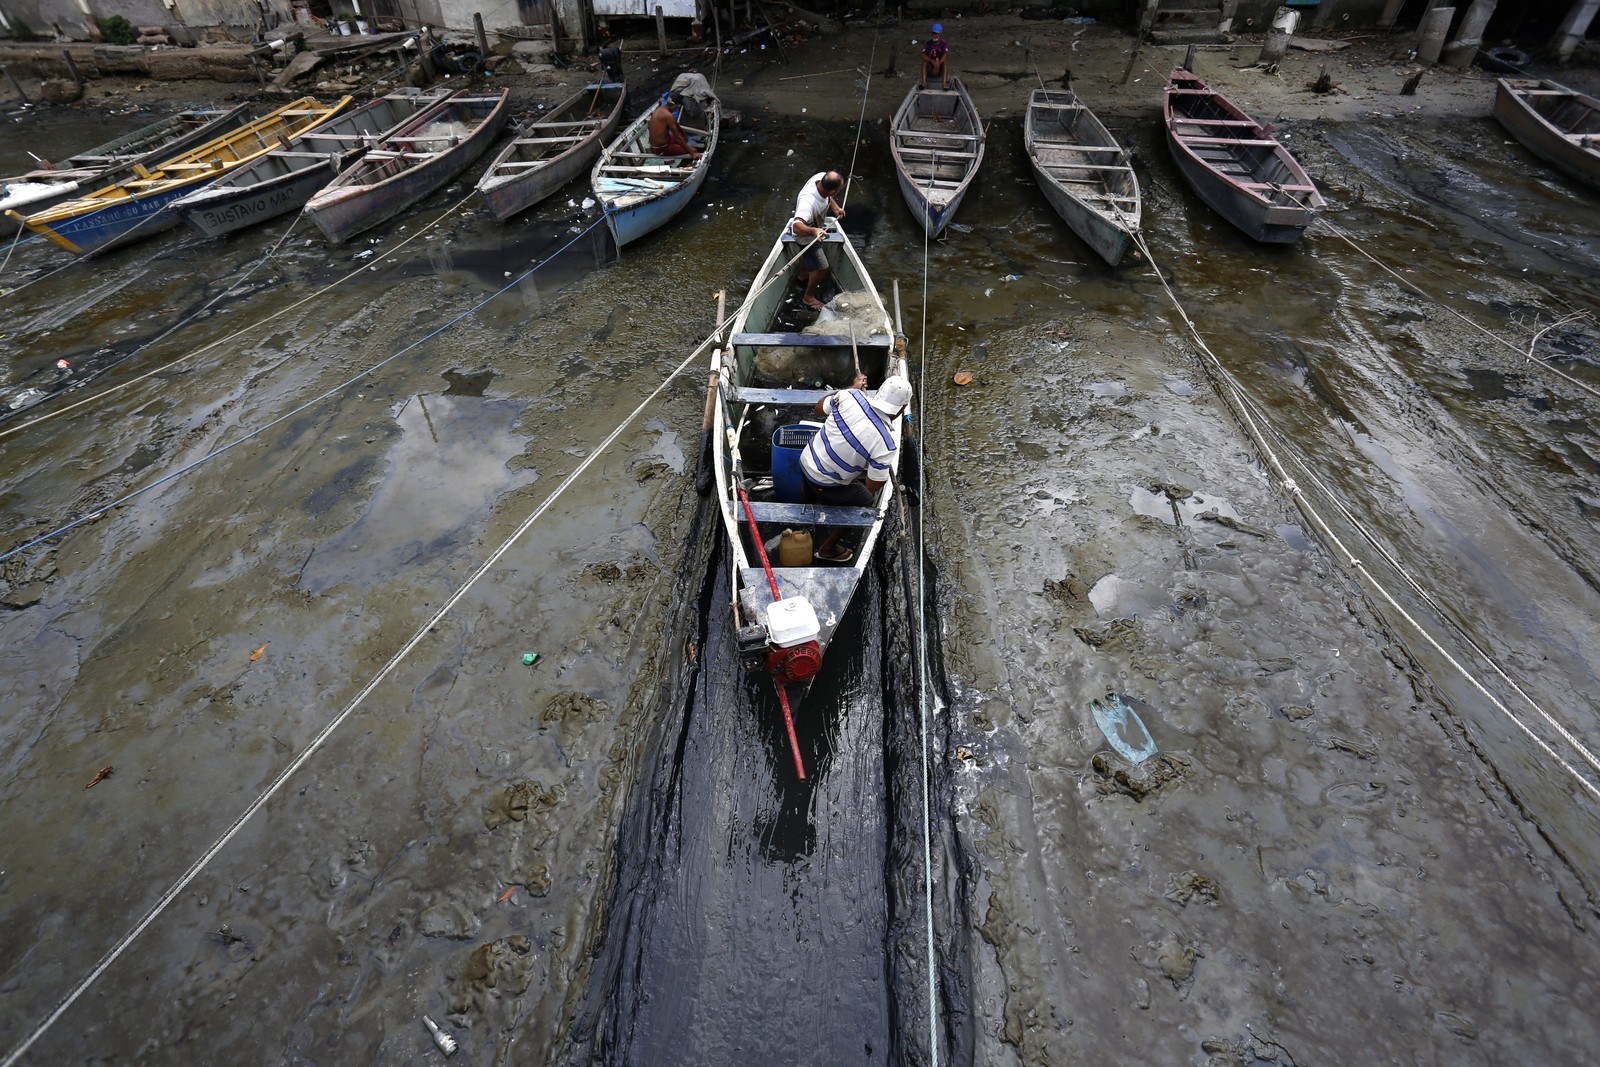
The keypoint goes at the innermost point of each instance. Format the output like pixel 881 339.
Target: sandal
pixel 842 555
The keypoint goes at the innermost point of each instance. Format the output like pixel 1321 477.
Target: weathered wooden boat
pixel 140 207
pixel 1559 125
pixel 1083 172
pixel 550 152
pixel 286 177
pixel 51 183
pixel 1235 164
pixel 937 142
pixel 769 370
pixel 641 191
pixel 422 155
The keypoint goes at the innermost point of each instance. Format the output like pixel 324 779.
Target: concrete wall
pixel 76 17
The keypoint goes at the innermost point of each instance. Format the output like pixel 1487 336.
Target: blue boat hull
pixel 633 222
pixel 117 224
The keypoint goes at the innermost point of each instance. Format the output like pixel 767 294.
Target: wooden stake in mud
pixel 661 31
pixel 483 38
pixel 71 66
pixel 703 477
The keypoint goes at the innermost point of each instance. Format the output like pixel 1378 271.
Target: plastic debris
pixel 530 658
pixel 62 364
pixel 1012 278
pixel 962 377
pixel 588 202
pixel 446 1043
pixel 363 254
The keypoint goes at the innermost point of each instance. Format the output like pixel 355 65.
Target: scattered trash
pixel 790 152
pixel 257 653
pixel 446 1043
pixel 507 894
pixel 1081 20
pixel 962 377
pixel 1123 728
pixel 989 291
pixel 588 202
pixel 105 772
pixel 62 364
pixel 363 254
pixel 530 658
pixel 1012 278
pixel 572 203
pixel 963 752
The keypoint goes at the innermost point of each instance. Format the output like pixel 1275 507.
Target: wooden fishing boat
pixel 767 369
pixel 51 183
pixel 140 207
pixel 1235 164
pixel 1083 172
pixel 286 177
pixel 551 151
pixel 937 143
pixel 1559 125
pixel 422 155
pixel 641 191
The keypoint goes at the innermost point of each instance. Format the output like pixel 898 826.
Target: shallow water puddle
pixel 446 468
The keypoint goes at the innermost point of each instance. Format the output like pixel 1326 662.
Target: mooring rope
pixel 1409 284
pixel 96 513
pixel 97 397
pixel 922 673
pixel 861 121
pixel 388 668
pixel 1254 423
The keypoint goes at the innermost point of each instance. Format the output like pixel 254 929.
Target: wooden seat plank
pixel 807 514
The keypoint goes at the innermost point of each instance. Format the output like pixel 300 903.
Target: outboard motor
pixel 793 654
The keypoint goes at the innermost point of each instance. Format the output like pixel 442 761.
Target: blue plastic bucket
pixel 788 484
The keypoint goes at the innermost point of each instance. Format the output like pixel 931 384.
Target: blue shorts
pixel 815 258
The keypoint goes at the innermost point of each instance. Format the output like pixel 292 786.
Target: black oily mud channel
pixel 1343 849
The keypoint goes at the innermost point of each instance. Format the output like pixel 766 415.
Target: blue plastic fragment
pixel 1123 728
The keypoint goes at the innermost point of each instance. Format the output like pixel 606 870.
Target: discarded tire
pixel 1504 60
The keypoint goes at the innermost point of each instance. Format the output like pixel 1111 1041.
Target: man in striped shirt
pixel 850 458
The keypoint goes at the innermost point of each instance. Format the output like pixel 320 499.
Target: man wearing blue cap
pixel 666 137
pixel 935 56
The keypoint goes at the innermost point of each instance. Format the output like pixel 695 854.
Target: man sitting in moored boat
pixel 666 136
pixel 849 459
pixel 812 209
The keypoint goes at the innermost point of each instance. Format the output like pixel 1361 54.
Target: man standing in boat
pixel 935 57
pixel 850 458
pixel 812 209
pixel 666 136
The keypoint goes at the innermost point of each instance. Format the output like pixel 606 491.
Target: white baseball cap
pixel 892 395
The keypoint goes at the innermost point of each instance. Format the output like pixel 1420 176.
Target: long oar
pixel 706 472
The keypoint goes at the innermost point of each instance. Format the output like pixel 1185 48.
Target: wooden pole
pixel 1276 46
pixel 1573 28
pixel 15 84
pixel 483 38
pixel 1464 49
pixel 71 66
pixel 1435 26
pixel 716 28
pixel 661 31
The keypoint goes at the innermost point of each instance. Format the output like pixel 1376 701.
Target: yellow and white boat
pixel 140 206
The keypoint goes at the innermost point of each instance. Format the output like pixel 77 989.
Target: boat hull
pixel 510 195
pixel 1235 165
pixel 937 142
pixel 145 146
pixel 283 180
pixel 1564 130
pixel 639 198
pixel 1082 171
pixel 743 382
pixel 365 194
pixel 218 212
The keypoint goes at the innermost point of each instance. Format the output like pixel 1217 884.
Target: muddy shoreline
pixel 1343 852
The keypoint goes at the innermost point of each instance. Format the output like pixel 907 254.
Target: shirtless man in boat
pixel 666 136
pixel 812 209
